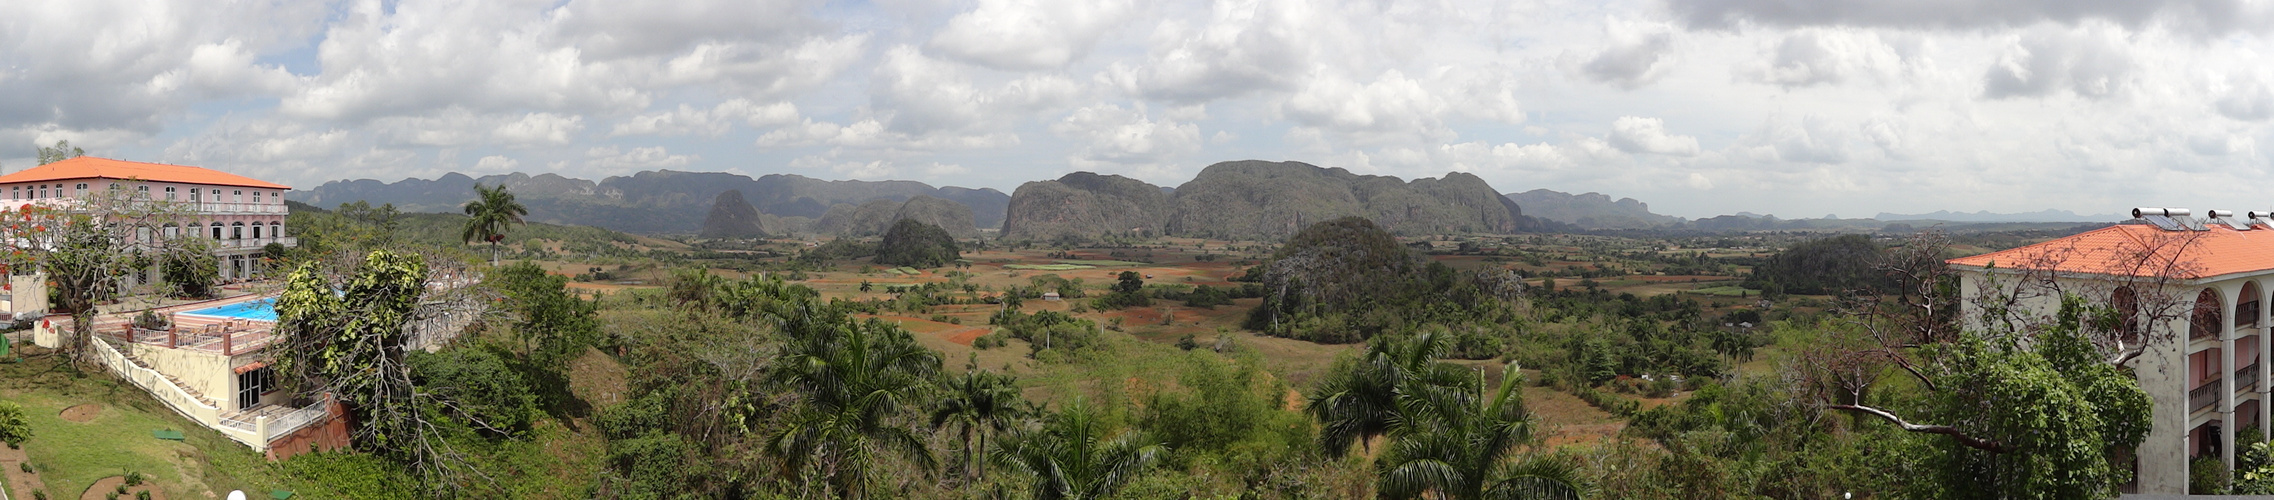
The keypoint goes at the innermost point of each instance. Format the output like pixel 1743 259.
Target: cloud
pixel 1111 136
pixel 612 158
pixel 1029 34
pixel 713 122
pixel 1813 57
pixel 2091 62
pixel 1648 135
pixel 921 96
pixel 1391 106
pixel 1242 48
pixel 496 163
pixel 138 64
pixel 2247 98
pixel 2207 16
pixel 1634 57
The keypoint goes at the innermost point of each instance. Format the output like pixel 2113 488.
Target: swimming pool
pixel 262 310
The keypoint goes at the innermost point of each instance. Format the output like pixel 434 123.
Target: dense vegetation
pixel 1828 266
pixel 914 243
pixel 1345 280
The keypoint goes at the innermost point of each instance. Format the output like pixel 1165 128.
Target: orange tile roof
pixel 89 167
pixel 2126 249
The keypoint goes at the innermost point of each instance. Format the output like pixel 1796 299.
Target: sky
pixel 1697 107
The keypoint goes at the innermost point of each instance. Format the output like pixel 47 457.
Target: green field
pixel 1723 291
pixel 1049 267
pixel 1104 263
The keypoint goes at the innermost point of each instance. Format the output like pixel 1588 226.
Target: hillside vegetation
pixel 1256 200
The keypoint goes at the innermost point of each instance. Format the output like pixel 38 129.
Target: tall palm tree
pixel 1070 458
pixel 490 214
pixel 979 402
pixel 1463 447
pixel 856 383
pixel 1358 399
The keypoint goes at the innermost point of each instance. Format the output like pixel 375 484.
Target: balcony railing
pixel 257 242
pixel 239 208
pixel 2246 379
pixel 2203 397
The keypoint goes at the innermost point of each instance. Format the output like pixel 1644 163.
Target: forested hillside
pixel 661 201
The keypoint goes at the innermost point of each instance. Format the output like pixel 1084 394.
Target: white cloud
pixel 1390 106
pixel 2247 98
pixel 1113 137
pixel 1030 34
pixel 1648 135
pixel 611 158
pixel 2093 62
pixel 1636 56
pixel 496 163
pixel 713 122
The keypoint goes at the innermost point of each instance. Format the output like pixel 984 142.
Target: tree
pixel 14 430
pixel 87 246
pixel 978 403
pixel 855 382
pixel 62 150
pixel 492 212
pixel 1460 445
pixel 553 325
pixel 351 344
pixel 1358 399
pixel 2013 404
pixel 1073 457
pixel 1129 282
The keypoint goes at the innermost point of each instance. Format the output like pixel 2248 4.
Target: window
pixel 81 187
pixel 216 230
pixel 237 232
pixel 144 189
pixel 256 197
pixel 256 231
pixel 238 196
pixel 252 384
pixel 169 193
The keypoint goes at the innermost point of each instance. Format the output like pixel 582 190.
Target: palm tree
pixel 491 213
pixel 855 383
pixel 1069 458
pixel 979 402
pixel 1463 446
pixel 1358 400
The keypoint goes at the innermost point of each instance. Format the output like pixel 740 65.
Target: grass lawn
pixel 1104 263
pixel 1724 291
pixel 71 456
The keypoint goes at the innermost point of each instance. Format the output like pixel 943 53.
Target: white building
pixel 241 214
pixel 2179 285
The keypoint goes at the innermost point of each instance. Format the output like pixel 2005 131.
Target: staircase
pixel 170 379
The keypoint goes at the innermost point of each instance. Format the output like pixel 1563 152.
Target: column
pixel 2226 405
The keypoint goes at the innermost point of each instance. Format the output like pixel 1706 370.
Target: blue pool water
pixel 263 310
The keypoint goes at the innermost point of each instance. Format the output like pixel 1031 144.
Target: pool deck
pixel 220 335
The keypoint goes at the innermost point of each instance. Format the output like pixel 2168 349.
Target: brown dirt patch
pixel 82 413
pixel 967 335
pixel 24 483
pixel 110 484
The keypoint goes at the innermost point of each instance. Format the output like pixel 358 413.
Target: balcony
pixel 2203 397
pixel 2246 379
pixel 239 208
pixel 287 241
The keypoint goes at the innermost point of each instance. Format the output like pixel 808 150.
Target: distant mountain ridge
pixel 660 201
pixel 1987 216
pixel 1591 210
pixel 1256 200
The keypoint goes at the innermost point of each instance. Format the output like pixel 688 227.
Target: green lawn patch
pixel 1048 267
pixel 1104 263
pixel 1724 291
pixel 71 456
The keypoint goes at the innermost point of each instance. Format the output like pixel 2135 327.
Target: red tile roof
pixel 89 167
pixel 2141 250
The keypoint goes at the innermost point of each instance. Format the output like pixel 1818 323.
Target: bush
pixel 2206 476
pixel 133 479
pixel 349 475
pixel 26 466
pixel 481 382
pixel 150 320
pixel 145 494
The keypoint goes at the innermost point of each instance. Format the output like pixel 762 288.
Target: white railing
pixel 158 386
pixel 297 419
pixel 256 242
pixel 240 208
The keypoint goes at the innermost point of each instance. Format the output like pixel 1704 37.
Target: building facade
pixel 240 214
pixel 2192 303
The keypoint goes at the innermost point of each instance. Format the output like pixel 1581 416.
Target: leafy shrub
pixel 150 320
pixel 134 478
pixel 2206 476
pixel 25 466
pixel 145 494
pixel 349 475
pixel 481 382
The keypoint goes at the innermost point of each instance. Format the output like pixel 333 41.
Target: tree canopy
pixel 916 244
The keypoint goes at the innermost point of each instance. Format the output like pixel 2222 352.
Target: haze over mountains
pixel 1236 199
